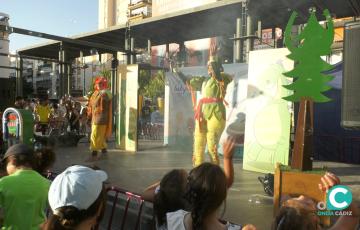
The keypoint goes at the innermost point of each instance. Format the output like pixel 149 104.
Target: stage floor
pixel 135 171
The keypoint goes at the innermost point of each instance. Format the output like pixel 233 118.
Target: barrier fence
pixel 115 193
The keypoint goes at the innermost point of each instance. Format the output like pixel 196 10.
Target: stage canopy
pixel 216 19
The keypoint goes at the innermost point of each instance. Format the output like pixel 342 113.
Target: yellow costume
pixel 100 112
pixel 210 112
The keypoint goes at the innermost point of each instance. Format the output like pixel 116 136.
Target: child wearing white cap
pixel 77 199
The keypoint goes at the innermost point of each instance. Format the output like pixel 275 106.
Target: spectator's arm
pixel 344 222
pixel 228 151
pixel 149 192
pixel 348 222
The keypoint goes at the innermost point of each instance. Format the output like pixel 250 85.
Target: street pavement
pixel 246 201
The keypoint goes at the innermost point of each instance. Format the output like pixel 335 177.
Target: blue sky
pixel 58 17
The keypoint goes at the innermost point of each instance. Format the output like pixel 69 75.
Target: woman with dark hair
pixel 300 213
pixel 170 196
pixel 206 192
pixel 77 198
pixel 23 193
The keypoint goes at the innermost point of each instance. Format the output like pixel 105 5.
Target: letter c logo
pixel 339 197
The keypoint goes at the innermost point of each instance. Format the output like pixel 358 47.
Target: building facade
pixel 4 47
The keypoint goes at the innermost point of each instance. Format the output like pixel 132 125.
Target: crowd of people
pixel 64 115
pixel 182 200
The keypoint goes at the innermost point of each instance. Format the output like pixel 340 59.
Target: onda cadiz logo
pixel 338 198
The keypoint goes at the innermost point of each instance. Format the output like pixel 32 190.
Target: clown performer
pixel 100 113
pixel 210 115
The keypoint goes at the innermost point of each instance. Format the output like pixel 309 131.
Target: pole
pixel 61 73
pixel 83 66
pixel 303 146
pixel 237 42
pixel 259 33
pixel 21 76
pixel 149 47
pixel 114 65
pixel 249 41
pixel 132 50
pixel 68 73
pixel 84 88
pixel 127 50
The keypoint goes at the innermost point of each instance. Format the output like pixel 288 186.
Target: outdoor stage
pixel 135 171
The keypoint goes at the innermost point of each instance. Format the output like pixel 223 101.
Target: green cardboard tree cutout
pixel 313 42
pixel 309 80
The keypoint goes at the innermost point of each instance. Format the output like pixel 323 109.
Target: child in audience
pixel 170 196
pixel 77 198
pixel 45 160
pixel 228 152
pixel 23 193
pixel 300 213
pixel 206 192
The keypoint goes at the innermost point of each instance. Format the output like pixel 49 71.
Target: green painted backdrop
pixel 268 116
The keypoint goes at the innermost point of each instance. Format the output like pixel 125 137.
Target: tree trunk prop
pixel 303 146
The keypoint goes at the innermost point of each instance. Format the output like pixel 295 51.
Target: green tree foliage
pixel 152 86
pixel 313 42
pixel 144 79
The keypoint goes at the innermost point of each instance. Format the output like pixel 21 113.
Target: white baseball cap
pixel 77 186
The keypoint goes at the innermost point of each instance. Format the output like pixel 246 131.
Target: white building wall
pixel 121 11
pixel 107 13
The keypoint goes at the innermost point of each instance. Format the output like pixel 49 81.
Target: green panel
pixel 268 117
pixel 131 107
pixel 120 120
pixel 27 126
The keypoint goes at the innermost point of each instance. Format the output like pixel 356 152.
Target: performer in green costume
pixel 210 112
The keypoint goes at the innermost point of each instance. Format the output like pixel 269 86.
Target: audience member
pixel 156 117
pixel 19 102
pixel 206 192
pixel 169 194
pixel 74 117
pixel 300 213
pixel 23 193
pixel 77 198
pixel 145 118
pixel 43 111
pixel 45 159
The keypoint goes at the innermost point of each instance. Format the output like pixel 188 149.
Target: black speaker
pixel 350 100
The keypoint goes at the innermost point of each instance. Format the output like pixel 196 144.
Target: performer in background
pixel 100 113
pixel 210 115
